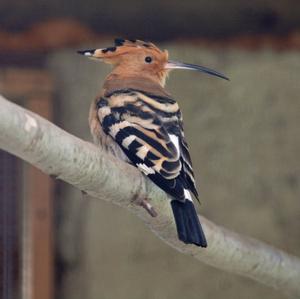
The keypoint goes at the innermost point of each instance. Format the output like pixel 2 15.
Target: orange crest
pixel 133 58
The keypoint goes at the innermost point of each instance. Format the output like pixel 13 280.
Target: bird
pixel 137 120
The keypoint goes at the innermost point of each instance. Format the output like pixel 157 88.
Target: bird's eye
pixel 148 59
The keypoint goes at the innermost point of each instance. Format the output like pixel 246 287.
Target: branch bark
pixel 89 168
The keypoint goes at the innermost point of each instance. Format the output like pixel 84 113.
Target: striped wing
pixel 149 130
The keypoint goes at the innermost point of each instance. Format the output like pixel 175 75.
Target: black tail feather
pixel 187 222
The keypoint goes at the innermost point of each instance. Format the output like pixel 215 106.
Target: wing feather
pixel 151 138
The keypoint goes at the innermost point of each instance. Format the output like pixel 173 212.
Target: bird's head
pixel 136 58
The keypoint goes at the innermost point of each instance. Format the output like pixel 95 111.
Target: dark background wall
pixel 160 20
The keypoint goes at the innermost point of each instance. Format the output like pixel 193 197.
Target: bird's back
pixel 145 122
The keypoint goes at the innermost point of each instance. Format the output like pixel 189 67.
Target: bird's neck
pixel 116 82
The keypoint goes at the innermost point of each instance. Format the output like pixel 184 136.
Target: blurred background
pixel 243 135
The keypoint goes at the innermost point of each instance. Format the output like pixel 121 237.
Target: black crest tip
pixel 86 52
pixel 119 41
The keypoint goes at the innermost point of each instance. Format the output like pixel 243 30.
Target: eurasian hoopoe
pixel 137 120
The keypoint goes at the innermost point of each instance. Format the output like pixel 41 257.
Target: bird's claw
pixel 147 206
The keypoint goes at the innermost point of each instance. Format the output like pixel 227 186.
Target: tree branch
pixel 92 170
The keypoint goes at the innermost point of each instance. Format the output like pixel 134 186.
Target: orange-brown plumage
pixel 128 61
pixel 138 121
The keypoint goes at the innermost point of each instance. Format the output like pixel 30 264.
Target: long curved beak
pixel 171 65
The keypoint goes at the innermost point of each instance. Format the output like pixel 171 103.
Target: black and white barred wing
pixel 132 120
pixel 187 168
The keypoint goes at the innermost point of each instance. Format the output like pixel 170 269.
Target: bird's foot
pixel 147 206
